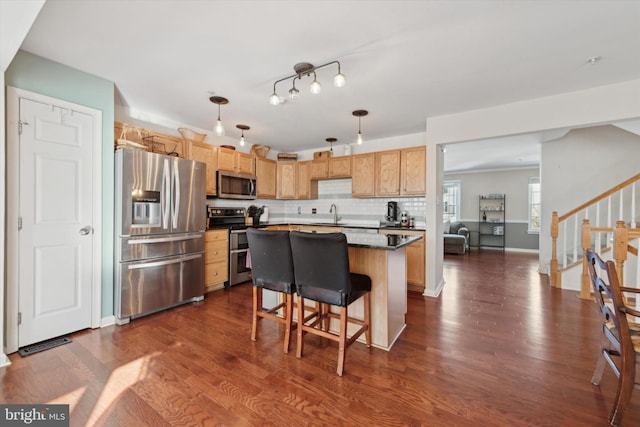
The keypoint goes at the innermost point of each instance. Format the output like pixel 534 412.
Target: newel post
pixel 553 265
pixel 585 289
pixel 620 244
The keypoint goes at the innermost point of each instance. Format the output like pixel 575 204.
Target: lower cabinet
pixel 216 256
pixel 416 261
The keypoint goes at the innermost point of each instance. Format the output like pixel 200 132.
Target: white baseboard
pixel 4 360
pixel 108 321
pixel 435 293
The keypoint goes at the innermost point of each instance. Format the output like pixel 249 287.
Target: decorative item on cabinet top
pixel 191 135
pixel 260 150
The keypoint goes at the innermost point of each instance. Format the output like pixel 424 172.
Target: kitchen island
pixel 382 257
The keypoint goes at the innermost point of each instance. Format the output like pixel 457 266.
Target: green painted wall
pixel 46 77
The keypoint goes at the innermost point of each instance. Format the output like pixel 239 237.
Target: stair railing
pixel 602 211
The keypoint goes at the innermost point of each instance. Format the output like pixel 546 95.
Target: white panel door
pixel 55 255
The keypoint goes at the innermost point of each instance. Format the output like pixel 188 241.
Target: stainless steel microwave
pixel 233 185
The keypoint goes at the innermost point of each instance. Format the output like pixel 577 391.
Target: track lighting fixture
pixel 242 128
pixel 306 69
pixel 219 128
pixel 359 114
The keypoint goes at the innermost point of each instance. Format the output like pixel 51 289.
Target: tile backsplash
pixel 368 211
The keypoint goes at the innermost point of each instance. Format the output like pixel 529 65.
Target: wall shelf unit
pixel 491 223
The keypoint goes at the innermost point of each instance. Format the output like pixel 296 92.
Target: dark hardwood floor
pixel 499 347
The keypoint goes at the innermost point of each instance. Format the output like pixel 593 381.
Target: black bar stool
pixel 321 266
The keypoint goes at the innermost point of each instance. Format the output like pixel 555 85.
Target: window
pixel 534 204
pixel 451 201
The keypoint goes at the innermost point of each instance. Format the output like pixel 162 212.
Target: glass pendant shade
pixel 359 138
pixel 242 140
pixel 219 128
pixel 339 80
pixel 274 99
pixel 293 92
pixel 315 87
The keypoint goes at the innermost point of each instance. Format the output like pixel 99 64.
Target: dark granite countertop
pixel 342 225
pixel 389 242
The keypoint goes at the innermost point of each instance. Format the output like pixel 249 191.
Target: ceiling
pixel 404 61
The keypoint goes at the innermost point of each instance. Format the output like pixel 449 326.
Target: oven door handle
pixel 238 251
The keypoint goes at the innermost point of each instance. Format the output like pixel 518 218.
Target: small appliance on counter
pixel 391 216
pixel 404 219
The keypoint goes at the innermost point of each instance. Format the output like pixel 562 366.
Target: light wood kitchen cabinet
pixel 235 161
pixel 413 171
pixel 205 153
pixel 244 163
pixel 320 169
pixel 226 159
pixel 387 180
pixel 266 171
pixel 286 180
pixel 416 261
pixel 363 175
pixel 216 259
pixel 305 187
pixel 340 167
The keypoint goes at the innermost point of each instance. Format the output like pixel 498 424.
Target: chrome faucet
pixel 334 209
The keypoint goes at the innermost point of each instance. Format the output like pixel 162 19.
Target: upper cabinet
pixel 363 181
pixel 414 171
pixel 388 173
pixel 340 167
pixel 266 178
pixel 287 179
pixel 235 161
pixel 319 169
pixel 305 187
pixel 205 153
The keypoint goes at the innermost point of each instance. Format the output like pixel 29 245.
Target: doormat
pixel 42 346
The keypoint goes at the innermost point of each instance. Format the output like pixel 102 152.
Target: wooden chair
pixel 272 268
pixel 321 266
pixel 621 338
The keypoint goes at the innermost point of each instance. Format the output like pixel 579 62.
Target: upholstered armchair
pixel 456 238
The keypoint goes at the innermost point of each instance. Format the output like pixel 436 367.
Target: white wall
pixel 579 166
pixel 513 183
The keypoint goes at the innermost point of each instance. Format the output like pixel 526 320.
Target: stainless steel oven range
pixel 233 219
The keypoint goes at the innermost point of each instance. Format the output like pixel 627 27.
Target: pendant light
pixel 359 114
pixel 219 127
pixel 242 128
pixel 331 141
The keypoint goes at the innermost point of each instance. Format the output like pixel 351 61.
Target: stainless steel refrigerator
pixel 160 217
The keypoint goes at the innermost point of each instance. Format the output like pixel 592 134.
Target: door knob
pixel 85 230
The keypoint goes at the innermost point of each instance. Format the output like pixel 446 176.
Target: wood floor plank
pixel 498 347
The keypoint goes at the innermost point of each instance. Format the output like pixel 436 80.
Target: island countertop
pixel 389 242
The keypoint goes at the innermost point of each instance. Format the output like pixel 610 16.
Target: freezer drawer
pixel 145 247
pixel 146 286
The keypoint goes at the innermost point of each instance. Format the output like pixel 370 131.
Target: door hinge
pixel 19 318
pixel 19 223
pixel 20 123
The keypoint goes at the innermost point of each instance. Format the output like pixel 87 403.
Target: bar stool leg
pixel 367 318
pixel 288 321
pixel 342 342
pixel 257 305
pixel 300 326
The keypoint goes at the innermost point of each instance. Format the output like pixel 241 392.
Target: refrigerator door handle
pixel 166 190
pixel 167 262
pixel 165 239
pixel 176 194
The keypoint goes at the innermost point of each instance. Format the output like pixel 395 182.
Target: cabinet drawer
pixel 216 272
pixel 213 235
pixel 216 253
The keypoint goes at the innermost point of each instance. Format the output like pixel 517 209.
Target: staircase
pixel 609 225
